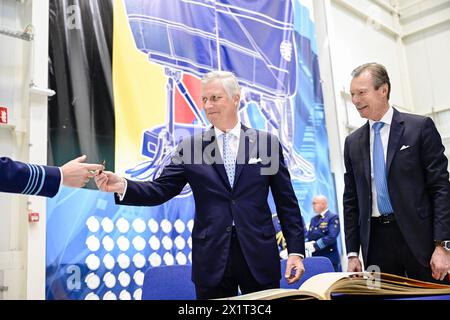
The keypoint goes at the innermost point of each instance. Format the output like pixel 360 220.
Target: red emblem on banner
pixel 3 115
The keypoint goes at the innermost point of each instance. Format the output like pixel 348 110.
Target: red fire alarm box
pixel 33 217
pixel 3 115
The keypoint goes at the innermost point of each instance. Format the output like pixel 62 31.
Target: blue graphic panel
pixel 98 250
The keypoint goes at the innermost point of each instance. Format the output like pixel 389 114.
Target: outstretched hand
pixel 77 173
pixel 108 181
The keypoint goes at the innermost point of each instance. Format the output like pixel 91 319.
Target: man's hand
pixel 310 246
pixel 440 263
pixel 354 265
pixel 294 268
pixel 108 181
pixel 76 173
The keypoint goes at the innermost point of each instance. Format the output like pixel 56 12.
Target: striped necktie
pixel 379 172
pixel 228 158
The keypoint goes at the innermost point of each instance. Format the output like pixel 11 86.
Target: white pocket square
pixel 404 147
pixel 254 160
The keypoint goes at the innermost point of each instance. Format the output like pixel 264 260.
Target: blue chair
pixel 168 283
pixel 313 266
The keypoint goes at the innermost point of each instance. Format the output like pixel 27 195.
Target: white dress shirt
pixel 384 134
pixel 233 137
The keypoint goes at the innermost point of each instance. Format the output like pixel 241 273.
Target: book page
pixel 320 284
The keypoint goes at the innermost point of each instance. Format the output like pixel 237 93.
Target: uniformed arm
pixel 30 179
pixel 330 237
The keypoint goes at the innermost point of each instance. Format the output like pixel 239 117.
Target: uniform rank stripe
pixel 42 177
pixel 30 179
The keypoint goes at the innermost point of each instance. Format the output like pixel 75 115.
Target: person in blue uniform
pixel 40 180
pixel 323 232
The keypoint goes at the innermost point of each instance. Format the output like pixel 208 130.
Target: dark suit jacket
pixel 418 183
pixel 325 232
pixel 218 205
pixel 32 179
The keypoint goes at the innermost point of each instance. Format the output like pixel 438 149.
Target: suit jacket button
pixel 229 229
pixel 233 201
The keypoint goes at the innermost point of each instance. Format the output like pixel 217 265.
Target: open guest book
pixel 330 285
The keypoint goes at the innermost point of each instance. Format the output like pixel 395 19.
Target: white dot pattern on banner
pixel 167 243
pixel 139 225
pixel 139 243
pixel 123 260
pixel 123 243
pixel 190 225
pixel 139 260
pixel 153 225
pixel 168 259
pixel 130 235
pixel 109 279
pixel 110 296
pixel 124 279
pixel 154 243
pixel 137 295
pixel 93 243
pixel 107 225
pixel 155 259
pixel 92 224
pixel 91 296
pixel 108 261
pixel 139 278
pixel 122 225
pixel 166 226
pixel 181 258
pixel 108 243
pixel 92 262
pixel 92 281
pixel 179 226
pixel 124 295
pixel 180 243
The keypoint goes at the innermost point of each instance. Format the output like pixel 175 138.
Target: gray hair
pixel 378 72
pixel 228 80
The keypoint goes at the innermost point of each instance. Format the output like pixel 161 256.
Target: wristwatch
pixel 444 244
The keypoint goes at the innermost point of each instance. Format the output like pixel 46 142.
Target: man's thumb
pixel 81 159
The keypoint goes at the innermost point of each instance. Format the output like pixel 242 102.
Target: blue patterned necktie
pixel 379 172
pixel 228 159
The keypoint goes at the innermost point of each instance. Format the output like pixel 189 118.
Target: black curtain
pixel 81 114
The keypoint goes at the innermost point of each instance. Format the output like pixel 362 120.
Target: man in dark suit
pixel 397 189
pixel 229 168
pixel 323 232
pixel 40 180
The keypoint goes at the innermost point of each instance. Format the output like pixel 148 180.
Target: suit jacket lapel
pixel 364 145
pixel 212 155
pixel 247 146
pixel 394 138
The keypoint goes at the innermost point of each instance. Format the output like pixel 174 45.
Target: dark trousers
pixel 237 274
pixel 389 251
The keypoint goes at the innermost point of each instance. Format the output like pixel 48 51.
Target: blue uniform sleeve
pixel 330 237
pixel 31 179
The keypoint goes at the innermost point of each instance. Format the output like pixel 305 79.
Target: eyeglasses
pixel 212 99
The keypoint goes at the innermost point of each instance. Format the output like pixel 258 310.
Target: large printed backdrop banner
pixel 160 49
